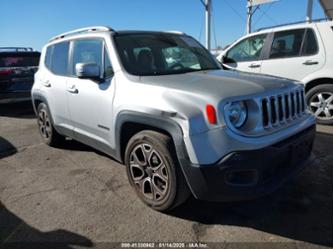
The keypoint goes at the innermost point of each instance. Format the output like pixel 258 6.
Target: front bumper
pixel 249 174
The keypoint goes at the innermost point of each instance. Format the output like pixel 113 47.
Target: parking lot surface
pixel 80 197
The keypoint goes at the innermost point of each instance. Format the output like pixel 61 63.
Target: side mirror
pixel 227 60
pixel 87 71
pixel 223 59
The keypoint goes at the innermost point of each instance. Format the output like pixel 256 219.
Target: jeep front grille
pixel 282 108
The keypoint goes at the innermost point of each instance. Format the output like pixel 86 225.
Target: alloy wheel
pixel 321 104
pixel 149 172
pixel 44 124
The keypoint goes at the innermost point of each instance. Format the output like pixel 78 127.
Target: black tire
pixel 322 111
pixel 160 193
pixel 45 126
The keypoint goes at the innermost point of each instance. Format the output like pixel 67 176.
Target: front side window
pixel 247 50
pixel 59 61
pixel 160 54
pixel 108 70
pixel 88 51
pixel 287 44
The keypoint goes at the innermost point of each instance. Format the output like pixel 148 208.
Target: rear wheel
pixel 153 171
pixel 320 101
pixel 49 135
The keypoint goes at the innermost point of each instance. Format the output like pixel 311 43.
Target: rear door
pixel 294 54
pixel 246 55
pixel 54 82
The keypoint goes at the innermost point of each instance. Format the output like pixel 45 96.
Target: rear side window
pixel 310 43
pixel 56 58
pixel 287 44
pixel 24 59
pixel 48 57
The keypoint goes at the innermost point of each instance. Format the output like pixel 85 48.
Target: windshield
pixel 160 54
pixel 19 59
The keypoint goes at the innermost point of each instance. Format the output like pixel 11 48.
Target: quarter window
pixel 59 61
pixel 287 44
pixel 247 50
pixel 310 43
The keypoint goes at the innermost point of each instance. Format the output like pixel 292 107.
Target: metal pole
pixel 208 23
pixel 309 11
pixel 249 17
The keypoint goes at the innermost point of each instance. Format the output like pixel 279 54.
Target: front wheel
pixel 320 102
pixel 153 171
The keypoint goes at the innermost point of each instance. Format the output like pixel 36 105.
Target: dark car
pixel 17 69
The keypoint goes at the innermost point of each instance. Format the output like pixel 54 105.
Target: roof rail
pixel 82 30
pixel 293 23
pixel 175 32
pixel 16 49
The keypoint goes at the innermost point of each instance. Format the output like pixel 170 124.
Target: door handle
pixel 254 65
pixel 309 63
pixel 47 83
pixel 73 89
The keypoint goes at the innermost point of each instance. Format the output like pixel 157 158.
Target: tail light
pixel 6 72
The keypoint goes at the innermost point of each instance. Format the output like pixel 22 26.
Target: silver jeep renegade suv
pixel 160 103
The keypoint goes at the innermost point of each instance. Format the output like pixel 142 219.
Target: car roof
pixel 139 32
pixel 82 32
pixel 294 25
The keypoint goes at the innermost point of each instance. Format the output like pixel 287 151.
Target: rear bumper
pixel 245 175
pixel 12 97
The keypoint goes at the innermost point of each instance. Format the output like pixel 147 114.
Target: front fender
pixel 162 123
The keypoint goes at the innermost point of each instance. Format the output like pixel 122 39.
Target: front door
pixel 90 101
pixel 245 56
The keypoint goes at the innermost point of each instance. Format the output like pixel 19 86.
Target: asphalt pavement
pixel 80 198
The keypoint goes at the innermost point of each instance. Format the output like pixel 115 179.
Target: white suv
pixel 301 52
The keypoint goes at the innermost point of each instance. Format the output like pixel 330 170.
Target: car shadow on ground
pixel 73 145
pixel 15 233
pixel 301 210
pixel 6 148
pixel 17 110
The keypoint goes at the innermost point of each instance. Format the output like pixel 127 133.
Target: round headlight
pixel 237 113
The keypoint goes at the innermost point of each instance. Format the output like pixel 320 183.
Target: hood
pixel 219 83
